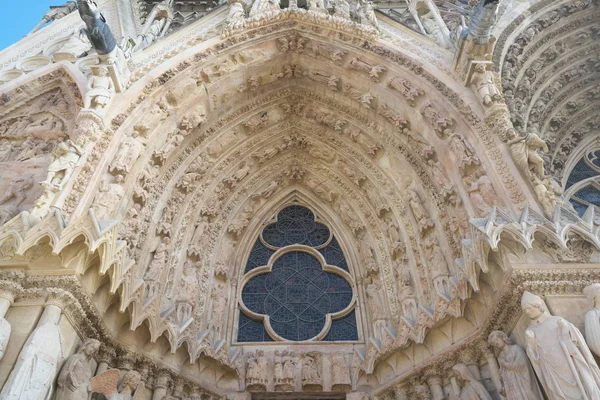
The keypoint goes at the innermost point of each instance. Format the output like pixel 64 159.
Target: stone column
pixel 7 297
pixel 161 386
pixel 493 365
pixel 439 21
pixel 435 387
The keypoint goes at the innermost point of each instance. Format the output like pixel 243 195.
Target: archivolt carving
pixel 200 189
pixel 547 69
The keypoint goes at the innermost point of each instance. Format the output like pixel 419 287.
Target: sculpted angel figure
pixel 559 355
pixel 524 151
pixel 100 89
pixel 518 379
pixel 128 389
pixel 471 389
pixel 75 375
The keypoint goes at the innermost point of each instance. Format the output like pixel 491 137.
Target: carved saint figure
pixel 419 212
pixel 289 367
pixel 310 371
pixel 75 375
pixel 366 13
pixel 342 9
pixel 592 317
pixel 100 89
pixel 128 389
pixel 524 151
pixel 154 32
pixel 340 373
pixel 108 198
pixel 471 389
pixel 38 361
pixel 557 350
pixel 375 299
pixel 518 379
pixel 219 303
pixel 128 153
pixel 236 15
pixel 278 367
pixel 483 82
pixel 154 271
pixel 262 6
pixel 463 150
pixel 60 170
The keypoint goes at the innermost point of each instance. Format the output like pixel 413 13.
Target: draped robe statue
pixel 37 364
pixel 472 389
pixel 518 379
pixel 75 375
pixel 592 318
pixel 557 350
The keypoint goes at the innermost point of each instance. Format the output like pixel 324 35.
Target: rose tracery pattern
pixel 296 292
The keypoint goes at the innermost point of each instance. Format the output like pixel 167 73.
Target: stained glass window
pixel 586 175
pixel 297 293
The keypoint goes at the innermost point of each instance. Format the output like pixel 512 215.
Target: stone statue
pixel 154 271
pixel 154 32
pixel 375 299
pixel 421 215
pixel 15 194
pixel 254 373
pixel 128 153
pixel 432 28
pixel 524 151
pixel 342 9
pixel 278 367
pixel 98 30
pixel 100 89
pixel 108 199
pixel 483 82
pixel 38 361
pixel 557 350
pixel 340 373
pixel 317 6
pixel 219 304
pixel 262 6
pixel 127 389
pixel 592 318
pixel 310 371
pixel 236 15
pixel 75 375
pixel 61 168
pixel 289 368
pixel 77 46
pixel 518 379
pixel 471 389
pixel 366 13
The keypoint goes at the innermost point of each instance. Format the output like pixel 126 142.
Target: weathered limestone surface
pixel 147 149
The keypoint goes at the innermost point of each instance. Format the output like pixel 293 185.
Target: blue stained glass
pixel 579 207
pixel 589 193
pixel 297 294
pixel 333 254
pixel 343 329
pixel 581 171
pixel 297 305
pixel 252 331
pixel 296 225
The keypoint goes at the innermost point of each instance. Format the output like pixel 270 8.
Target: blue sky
pixel 17 18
